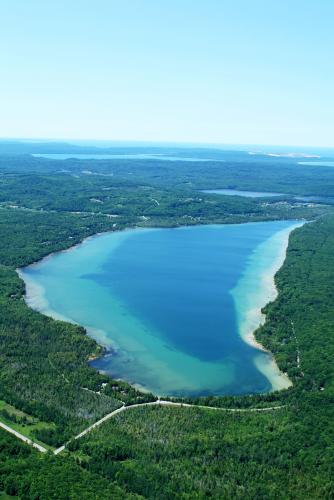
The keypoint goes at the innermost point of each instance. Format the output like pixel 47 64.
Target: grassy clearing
pixel 22 422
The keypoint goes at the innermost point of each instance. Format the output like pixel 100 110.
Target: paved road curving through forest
pixel 161 402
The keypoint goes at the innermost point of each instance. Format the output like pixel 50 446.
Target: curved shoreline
pixel 268 288
pixel 254 317
pixel 251 317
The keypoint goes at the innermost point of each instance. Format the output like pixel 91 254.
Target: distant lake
pixel 175 307
pixel 317 163
pixel 61 156
pixel 263 194
pixel 316 199
pixel 236 192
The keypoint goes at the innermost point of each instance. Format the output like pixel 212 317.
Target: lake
pixel 175 307
pixel 263 194
pixel 317 163
pixel 236 192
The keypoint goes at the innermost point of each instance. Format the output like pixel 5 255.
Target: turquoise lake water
pixel 175 307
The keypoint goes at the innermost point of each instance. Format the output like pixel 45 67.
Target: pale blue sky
pixel 236 71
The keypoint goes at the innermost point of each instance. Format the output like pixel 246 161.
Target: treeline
pixel 132 202
pixel 194 453
pixel 26 475
pixel 27 236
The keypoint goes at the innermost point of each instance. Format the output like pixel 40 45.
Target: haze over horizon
pixel 144 71
pixel 123 143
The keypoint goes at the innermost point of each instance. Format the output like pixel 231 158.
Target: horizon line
pixel 160 142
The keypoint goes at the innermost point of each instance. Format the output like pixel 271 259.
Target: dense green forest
pixel 123 200
pixel 222 169
pixel 162 452
pixel 26 475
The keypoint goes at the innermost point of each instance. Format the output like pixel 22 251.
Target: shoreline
pixel 35 298
pixel 75 245
pixel 142 228
pixel 252 318
pixel 268 283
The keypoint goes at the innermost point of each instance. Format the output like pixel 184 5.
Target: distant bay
pixel 137 156
pixel 175 307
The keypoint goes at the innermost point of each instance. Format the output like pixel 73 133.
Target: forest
pixel 48 387
pixel 217 169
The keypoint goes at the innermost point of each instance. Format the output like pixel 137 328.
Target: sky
pixel 213 71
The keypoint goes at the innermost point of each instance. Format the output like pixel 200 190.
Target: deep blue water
pixel 163 300
pixel 166 279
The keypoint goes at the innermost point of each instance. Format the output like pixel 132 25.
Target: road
pixel 161 402
pixel 297 349
pixel 23 438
